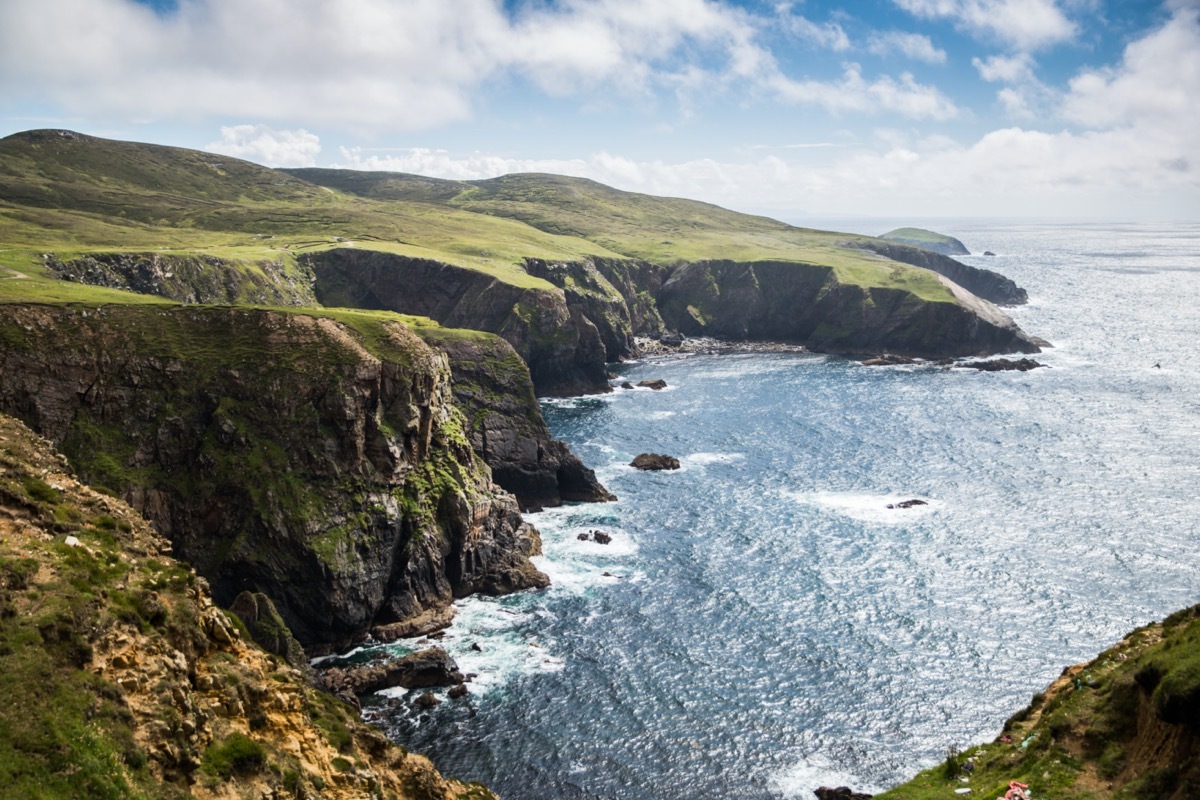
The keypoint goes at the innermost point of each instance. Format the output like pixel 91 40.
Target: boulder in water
pixel 654 461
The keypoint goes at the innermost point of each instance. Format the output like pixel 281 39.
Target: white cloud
pixel 1134 156
pixel 1025 97
pixel 365 64
pixel 853 93
pixel 379 65
pixel 1006 69
pixel 829 35
pixel 1058 174
pixel 1023 24
pixel 262 145
pixel 912 45
pixel 1157 83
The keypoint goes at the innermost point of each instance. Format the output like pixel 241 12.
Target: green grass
pixel 87 193
pixel 1077 739
pixel 237 754
pixel 918 235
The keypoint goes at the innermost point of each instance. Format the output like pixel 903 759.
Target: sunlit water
pixel 768 625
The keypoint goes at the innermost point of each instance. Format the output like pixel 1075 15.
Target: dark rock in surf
pixel 887 360
pixel 908 504
pixel 432 667
pixel 626 385
pixel 600 537
pixel 672 339
pixel 657 384
pixel 840 793
pixel 655 461
pixel 1002 365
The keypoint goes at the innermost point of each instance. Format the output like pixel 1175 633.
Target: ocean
pixel 762 623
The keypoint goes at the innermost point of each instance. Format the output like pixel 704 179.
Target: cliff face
pixel 983 283
pixel 120 680
pixel 803 303
pixel 191 278
pixel 320 463
pixel 505 424
pixel 562 347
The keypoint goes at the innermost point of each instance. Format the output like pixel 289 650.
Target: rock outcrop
pixel 505 426
pixel 1002 365
pixel 420 670
pixel 785 301
pixel 983 283
pixel 561 345
pixel 192 278
pixel 121 678
pixel 492 383
pixel 322 464
pixel 654 462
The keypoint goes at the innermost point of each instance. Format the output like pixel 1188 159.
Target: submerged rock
pixel 907 504
pixel 655 461
pixel 887 360
pixel 1002 365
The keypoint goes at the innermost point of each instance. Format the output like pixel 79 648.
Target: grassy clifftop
pixel 665 230
pixel 1124 726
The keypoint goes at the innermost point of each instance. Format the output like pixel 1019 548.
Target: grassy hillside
pixel 661 229
pixel 1125 726
pixel 64 191
pixel 71 193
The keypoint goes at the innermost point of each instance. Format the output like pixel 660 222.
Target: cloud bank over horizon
pixel 928 106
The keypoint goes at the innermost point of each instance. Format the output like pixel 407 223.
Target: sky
pixel 798 110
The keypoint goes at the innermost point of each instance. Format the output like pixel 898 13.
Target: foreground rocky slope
pixel 1124 726
pixel 320 462
pixel 119 678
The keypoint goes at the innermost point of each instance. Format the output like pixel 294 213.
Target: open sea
pixel 762 624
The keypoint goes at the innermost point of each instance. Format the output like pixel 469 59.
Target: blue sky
pixel 1064 108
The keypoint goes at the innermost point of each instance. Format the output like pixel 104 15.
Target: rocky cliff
pixel 192 278
pixel 505 424
pixel 601 304
pixel 983 283
pixel 120 680
pixel 562 347
pixel 320 462
pixel 805 303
